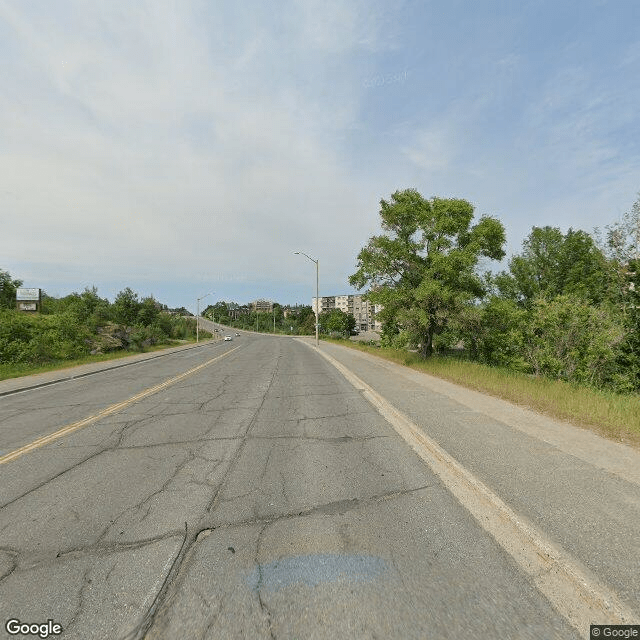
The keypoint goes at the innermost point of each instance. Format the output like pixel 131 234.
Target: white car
pixel 229 338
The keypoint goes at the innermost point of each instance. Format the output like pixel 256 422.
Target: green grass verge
pixel 17 370
pixel 615 416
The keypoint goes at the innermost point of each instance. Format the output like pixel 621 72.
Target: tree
pixel 498 338
pixel 148 311
pixel 219 311
pixel 337 321
pixel 535 269
pixel 304 312
pixel 81 305
pixel 8 288
pixel 623 251
pixel 553 264
pixel 423 270
pixel 126 307
pixel 278 312
pixel 307 323
pixel 583 268
pixel 623 237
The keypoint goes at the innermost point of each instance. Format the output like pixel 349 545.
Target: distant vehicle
pixel 237 334
pixel 228 338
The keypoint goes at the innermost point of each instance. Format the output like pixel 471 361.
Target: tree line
pixel 567 307
pixel 298 320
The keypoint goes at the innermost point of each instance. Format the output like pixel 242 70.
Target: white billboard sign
pixel 28 294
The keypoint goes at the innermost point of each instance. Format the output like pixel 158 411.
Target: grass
pixel 8 371
pixel 616 416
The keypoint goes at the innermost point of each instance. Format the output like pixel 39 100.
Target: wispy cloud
pixel 143 138
pixel 172 142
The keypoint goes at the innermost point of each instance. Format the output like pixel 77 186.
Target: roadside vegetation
pixel 568 307
pixel 613 415
pixel 559 331
pixel 82 327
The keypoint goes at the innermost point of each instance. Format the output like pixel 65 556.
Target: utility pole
pixel 317 297
pixel 198 316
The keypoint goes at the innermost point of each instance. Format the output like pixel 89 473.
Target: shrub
pixel 499 338
pixel 568 339
pixel 142 337
pixel 38 339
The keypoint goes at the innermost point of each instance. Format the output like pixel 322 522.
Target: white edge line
pixel 579 597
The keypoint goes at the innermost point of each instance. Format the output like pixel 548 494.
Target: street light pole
pixel 198 316
pixel 317 288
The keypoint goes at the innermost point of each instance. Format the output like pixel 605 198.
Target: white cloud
pixel 149 147
pixel 161 139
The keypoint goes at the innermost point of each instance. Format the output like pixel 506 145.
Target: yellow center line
pixel 70 428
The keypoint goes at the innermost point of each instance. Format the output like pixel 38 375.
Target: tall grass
pixel 616 416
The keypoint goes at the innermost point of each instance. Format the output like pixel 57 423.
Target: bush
pixel 499 338
pixel 142 337
pixel 37 339
pixel 397 340
pixel 164 322
pixel 568 339
pixel 182 328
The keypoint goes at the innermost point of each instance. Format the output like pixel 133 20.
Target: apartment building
pixel 363 311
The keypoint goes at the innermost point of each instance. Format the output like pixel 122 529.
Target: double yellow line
pixel 70 428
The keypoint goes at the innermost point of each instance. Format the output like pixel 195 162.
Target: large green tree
pixel 423 270
pixel 552 264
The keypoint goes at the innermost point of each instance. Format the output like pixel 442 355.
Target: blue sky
pixel 186 147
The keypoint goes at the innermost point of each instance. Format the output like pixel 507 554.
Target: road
pixel 248 489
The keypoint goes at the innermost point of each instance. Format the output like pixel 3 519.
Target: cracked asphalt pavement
pixel 261 497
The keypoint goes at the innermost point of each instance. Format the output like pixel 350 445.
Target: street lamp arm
pixel 302 253
pixel 317 263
